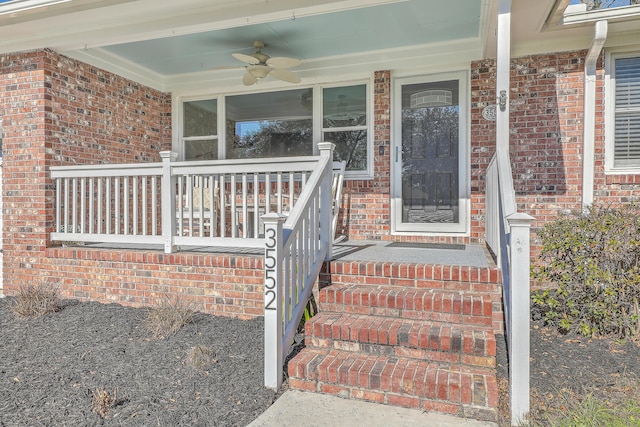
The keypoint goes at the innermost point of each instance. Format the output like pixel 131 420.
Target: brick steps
pixel 393 336
pixel 426 342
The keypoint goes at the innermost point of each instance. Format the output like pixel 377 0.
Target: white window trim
pixel 364 174
pixel 178 119
pixel 178 124
pixel 462 229
pixel 610 111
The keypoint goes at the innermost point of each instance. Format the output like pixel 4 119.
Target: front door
pixel 430 146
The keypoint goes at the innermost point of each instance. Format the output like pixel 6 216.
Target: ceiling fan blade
pixel 248 79
pixel 246 58
pixel 227 67
pixel 285 75
pixel 283 62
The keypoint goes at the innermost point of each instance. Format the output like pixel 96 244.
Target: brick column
pixel 27 189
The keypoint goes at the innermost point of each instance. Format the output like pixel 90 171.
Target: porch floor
pixel 360 250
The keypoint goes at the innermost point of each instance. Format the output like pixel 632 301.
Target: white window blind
pixel 627 112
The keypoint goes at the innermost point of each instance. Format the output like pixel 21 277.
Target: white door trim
pixel 462 227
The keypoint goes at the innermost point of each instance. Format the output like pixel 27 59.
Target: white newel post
pixel 273 223
pixel 326 200
pixel 168 200
pixel 520 228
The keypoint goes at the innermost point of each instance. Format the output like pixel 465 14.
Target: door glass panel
pixel 430 176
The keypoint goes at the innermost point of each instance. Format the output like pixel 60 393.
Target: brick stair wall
pixel 417 345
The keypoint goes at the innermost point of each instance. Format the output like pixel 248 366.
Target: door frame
pixel 464 158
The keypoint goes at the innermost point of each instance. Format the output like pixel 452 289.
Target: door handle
pixel 397 153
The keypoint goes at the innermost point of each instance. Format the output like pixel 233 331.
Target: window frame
pixel 610 112
pixel 183 139
pixel 368 172
pixel 317 119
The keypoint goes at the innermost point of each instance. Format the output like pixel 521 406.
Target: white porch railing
pixel 216 203
pixel 507 234
pixel 295 250
pixel 208 203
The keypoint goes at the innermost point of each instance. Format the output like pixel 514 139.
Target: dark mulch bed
pixel 566 368
pixel 50 367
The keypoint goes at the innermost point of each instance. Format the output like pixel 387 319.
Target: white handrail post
pixel 273 359
pixel 326 200
pixel 168 200
pixel 520 228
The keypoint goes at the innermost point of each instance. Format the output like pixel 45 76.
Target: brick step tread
pixel 454 307
pixel 395 380
pixel 419 339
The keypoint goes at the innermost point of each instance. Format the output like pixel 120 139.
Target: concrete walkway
pixel 296 408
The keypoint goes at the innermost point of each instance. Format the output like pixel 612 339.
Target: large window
pixel 280 124
pixel 624 114
pixel 272 124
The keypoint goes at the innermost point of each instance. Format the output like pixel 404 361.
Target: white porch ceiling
pixel 170 45
pixel 382 27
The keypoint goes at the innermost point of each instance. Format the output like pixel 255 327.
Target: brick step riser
pixel 397 381
pixel 419 276
pixel 453 318
pixel 390 270
pixel 450 307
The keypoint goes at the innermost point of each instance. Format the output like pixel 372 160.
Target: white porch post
pixel 273 351
pixel 519 254
pixel 326 214
pixel 168 200
pixel 519 240
pixel 503 66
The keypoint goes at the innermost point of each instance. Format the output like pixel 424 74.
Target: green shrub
pixel 593 262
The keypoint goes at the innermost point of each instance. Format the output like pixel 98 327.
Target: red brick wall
pixel 546 137
pixel 546 103
pixel 366 203
pixel 227 285
pixel 58 111
pixel 546 132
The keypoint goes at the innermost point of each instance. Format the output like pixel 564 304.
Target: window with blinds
pixel 627 113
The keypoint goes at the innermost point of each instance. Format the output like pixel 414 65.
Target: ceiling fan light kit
pixel 261 65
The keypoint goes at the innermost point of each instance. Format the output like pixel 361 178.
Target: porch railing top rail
pixel 108 170
pixel 271 165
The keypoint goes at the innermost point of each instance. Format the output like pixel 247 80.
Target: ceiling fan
pixel 261 65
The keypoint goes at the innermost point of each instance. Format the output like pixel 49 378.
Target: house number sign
pixel 489 113
pixel 270 280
